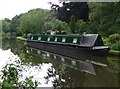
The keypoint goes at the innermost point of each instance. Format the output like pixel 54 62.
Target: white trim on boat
pixel 100 47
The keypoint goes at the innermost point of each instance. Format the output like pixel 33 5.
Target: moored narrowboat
pixel 91 44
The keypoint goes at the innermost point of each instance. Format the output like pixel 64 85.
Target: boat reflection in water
pixel 82 65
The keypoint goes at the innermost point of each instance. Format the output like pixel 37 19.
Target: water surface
pixel 51 69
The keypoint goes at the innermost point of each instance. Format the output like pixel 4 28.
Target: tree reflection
pixel 19 49
pixel 8 44
pixel 56 72
pixel 114 68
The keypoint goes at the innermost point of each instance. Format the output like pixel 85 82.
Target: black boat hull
pixel 72 51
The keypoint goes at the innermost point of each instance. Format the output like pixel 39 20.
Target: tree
pixel 73 24
pixel 105 17
pixel 78 9
pixel 38 21
pixel 55 24
pixel 15 23
pixel 33 21
pixel 82 27
pixel 5 26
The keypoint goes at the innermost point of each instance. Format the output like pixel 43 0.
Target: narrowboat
pixel 69 44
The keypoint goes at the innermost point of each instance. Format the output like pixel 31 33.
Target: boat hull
pixel 69 50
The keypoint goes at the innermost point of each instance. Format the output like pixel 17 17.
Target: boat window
pixel 48 39
pixel 75 40
pixel 63 40
pixel 55 39
pixel 99 42
pixel 32 38
pixel 39 38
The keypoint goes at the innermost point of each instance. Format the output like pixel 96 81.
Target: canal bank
pixel 20 38
pixel 114 53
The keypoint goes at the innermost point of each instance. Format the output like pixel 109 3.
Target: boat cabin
pixel 87 40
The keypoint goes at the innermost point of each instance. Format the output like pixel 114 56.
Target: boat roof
pixel 89 40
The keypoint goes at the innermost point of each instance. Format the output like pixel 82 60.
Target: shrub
pixel 73 24
pixel 115 46
pixel 10 78
pixel 105 41
pixel 114 38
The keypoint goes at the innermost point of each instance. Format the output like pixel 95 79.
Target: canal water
pixel 50 69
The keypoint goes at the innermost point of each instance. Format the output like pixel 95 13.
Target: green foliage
pixel 115 46
pixel 105 18
pixel 33 21
pixel 105 41
pixel 8 35
pixel 10 78
pixel 5 35
pixel 6 29
pixel 5 26
pixel 114 38
pixel 55 24
pixel 15 23
pixel 39 21
pixel 61 25
pixel 73 24
pixel 82 26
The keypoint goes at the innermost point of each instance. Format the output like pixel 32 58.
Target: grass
pixel 21 38
pixel 115 51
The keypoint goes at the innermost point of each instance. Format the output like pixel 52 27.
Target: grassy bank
pixel 114 52
pixel 21 38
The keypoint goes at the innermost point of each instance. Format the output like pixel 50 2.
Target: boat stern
pixel 101 50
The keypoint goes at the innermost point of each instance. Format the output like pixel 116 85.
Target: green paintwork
pixel 68 38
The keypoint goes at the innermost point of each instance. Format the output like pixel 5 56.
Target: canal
pixel 50 69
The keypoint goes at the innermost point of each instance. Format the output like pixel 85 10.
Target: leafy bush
pixel 10 78
pixel 114 38
pixel 82 26
pixel 115 46
pixel 105 41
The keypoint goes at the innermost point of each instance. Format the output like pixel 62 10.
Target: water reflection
pixel 38 72
pixel 73 72
pixel 56 70
pixel 83 66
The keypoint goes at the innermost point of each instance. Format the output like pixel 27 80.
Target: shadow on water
pixel 66 71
